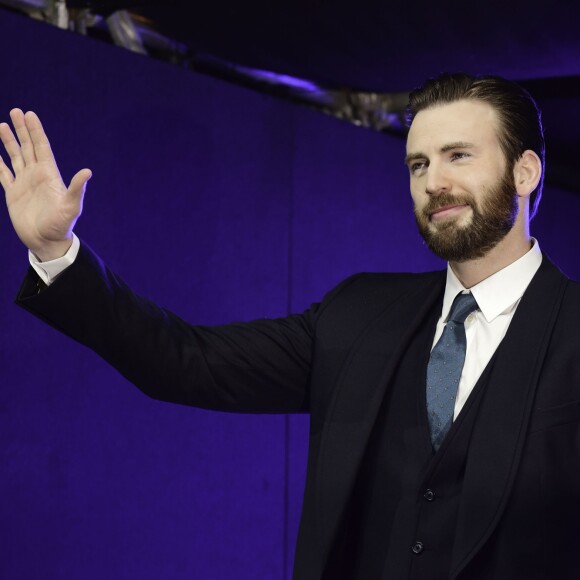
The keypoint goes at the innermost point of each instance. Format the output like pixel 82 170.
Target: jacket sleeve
pixel 258 367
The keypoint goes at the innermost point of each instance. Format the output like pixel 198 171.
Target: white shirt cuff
pixel 48 271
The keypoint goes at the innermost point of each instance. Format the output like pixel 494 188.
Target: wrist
pixel 52 250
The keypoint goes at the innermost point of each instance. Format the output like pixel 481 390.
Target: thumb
pixel 78 183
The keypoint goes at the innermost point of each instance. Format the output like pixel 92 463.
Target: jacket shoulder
pixel 368 293
pixel 384 283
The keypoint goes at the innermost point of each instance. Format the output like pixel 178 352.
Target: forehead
pixel 469 121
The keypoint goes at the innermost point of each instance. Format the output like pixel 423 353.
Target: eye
pixel 459 155
pixel 417 166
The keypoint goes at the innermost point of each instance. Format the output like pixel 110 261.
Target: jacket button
pixel 417 547
pixel 429 495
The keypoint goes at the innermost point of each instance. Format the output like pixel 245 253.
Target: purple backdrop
pixel 221 204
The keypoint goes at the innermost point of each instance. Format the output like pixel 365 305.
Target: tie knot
pixel 462 307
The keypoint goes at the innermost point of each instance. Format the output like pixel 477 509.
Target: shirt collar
pixel 500 292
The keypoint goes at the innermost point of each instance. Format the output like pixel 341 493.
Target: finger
pixel 6 177
pixel 26 146
pixel 12 147
pixel 40 142
pixel 78 183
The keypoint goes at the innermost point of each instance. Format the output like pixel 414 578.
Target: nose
pixel 437 180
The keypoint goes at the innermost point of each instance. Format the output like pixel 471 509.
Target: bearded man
pixel 445 406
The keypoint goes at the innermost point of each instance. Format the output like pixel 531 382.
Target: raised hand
pixel 42 208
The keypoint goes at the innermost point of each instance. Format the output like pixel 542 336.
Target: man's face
pixel 464 194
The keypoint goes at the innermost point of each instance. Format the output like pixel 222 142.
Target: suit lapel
pixel 358 397
pixel 500 432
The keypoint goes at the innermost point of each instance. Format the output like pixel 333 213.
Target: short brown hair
pixel 519 117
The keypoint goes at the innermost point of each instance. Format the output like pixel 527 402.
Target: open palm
pixel 42 208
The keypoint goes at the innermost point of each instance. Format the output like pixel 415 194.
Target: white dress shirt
pixel 48 271
pixel 497 297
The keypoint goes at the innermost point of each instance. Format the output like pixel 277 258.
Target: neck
pixel 511 248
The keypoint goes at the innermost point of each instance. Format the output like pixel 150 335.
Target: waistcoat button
pixel 417 547
pixel 429 495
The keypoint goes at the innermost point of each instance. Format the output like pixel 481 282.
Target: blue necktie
pixel 444 369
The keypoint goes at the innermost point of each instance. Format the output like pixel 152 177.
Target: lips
pixel 447 211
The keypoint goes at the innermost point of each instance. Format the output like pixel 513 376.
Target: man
pixel 444 406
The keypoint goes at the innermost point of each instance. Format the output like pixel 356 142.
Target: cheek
pixel 417 198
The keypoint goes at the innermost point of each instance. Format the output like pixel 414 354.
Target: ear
pixel 527 173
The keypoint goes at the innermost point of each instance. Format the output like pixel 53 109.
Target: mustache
pixel 445 199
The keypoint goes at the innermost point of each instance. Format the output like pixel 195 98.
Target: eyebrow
pixel 413 156
pixel 448 147
pixel 457 145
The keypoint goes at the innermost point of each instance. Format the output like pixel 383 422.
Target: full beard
pixel 492 218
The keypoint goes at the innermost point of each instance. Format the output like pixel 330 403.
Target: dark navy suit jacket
pixel 520 507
